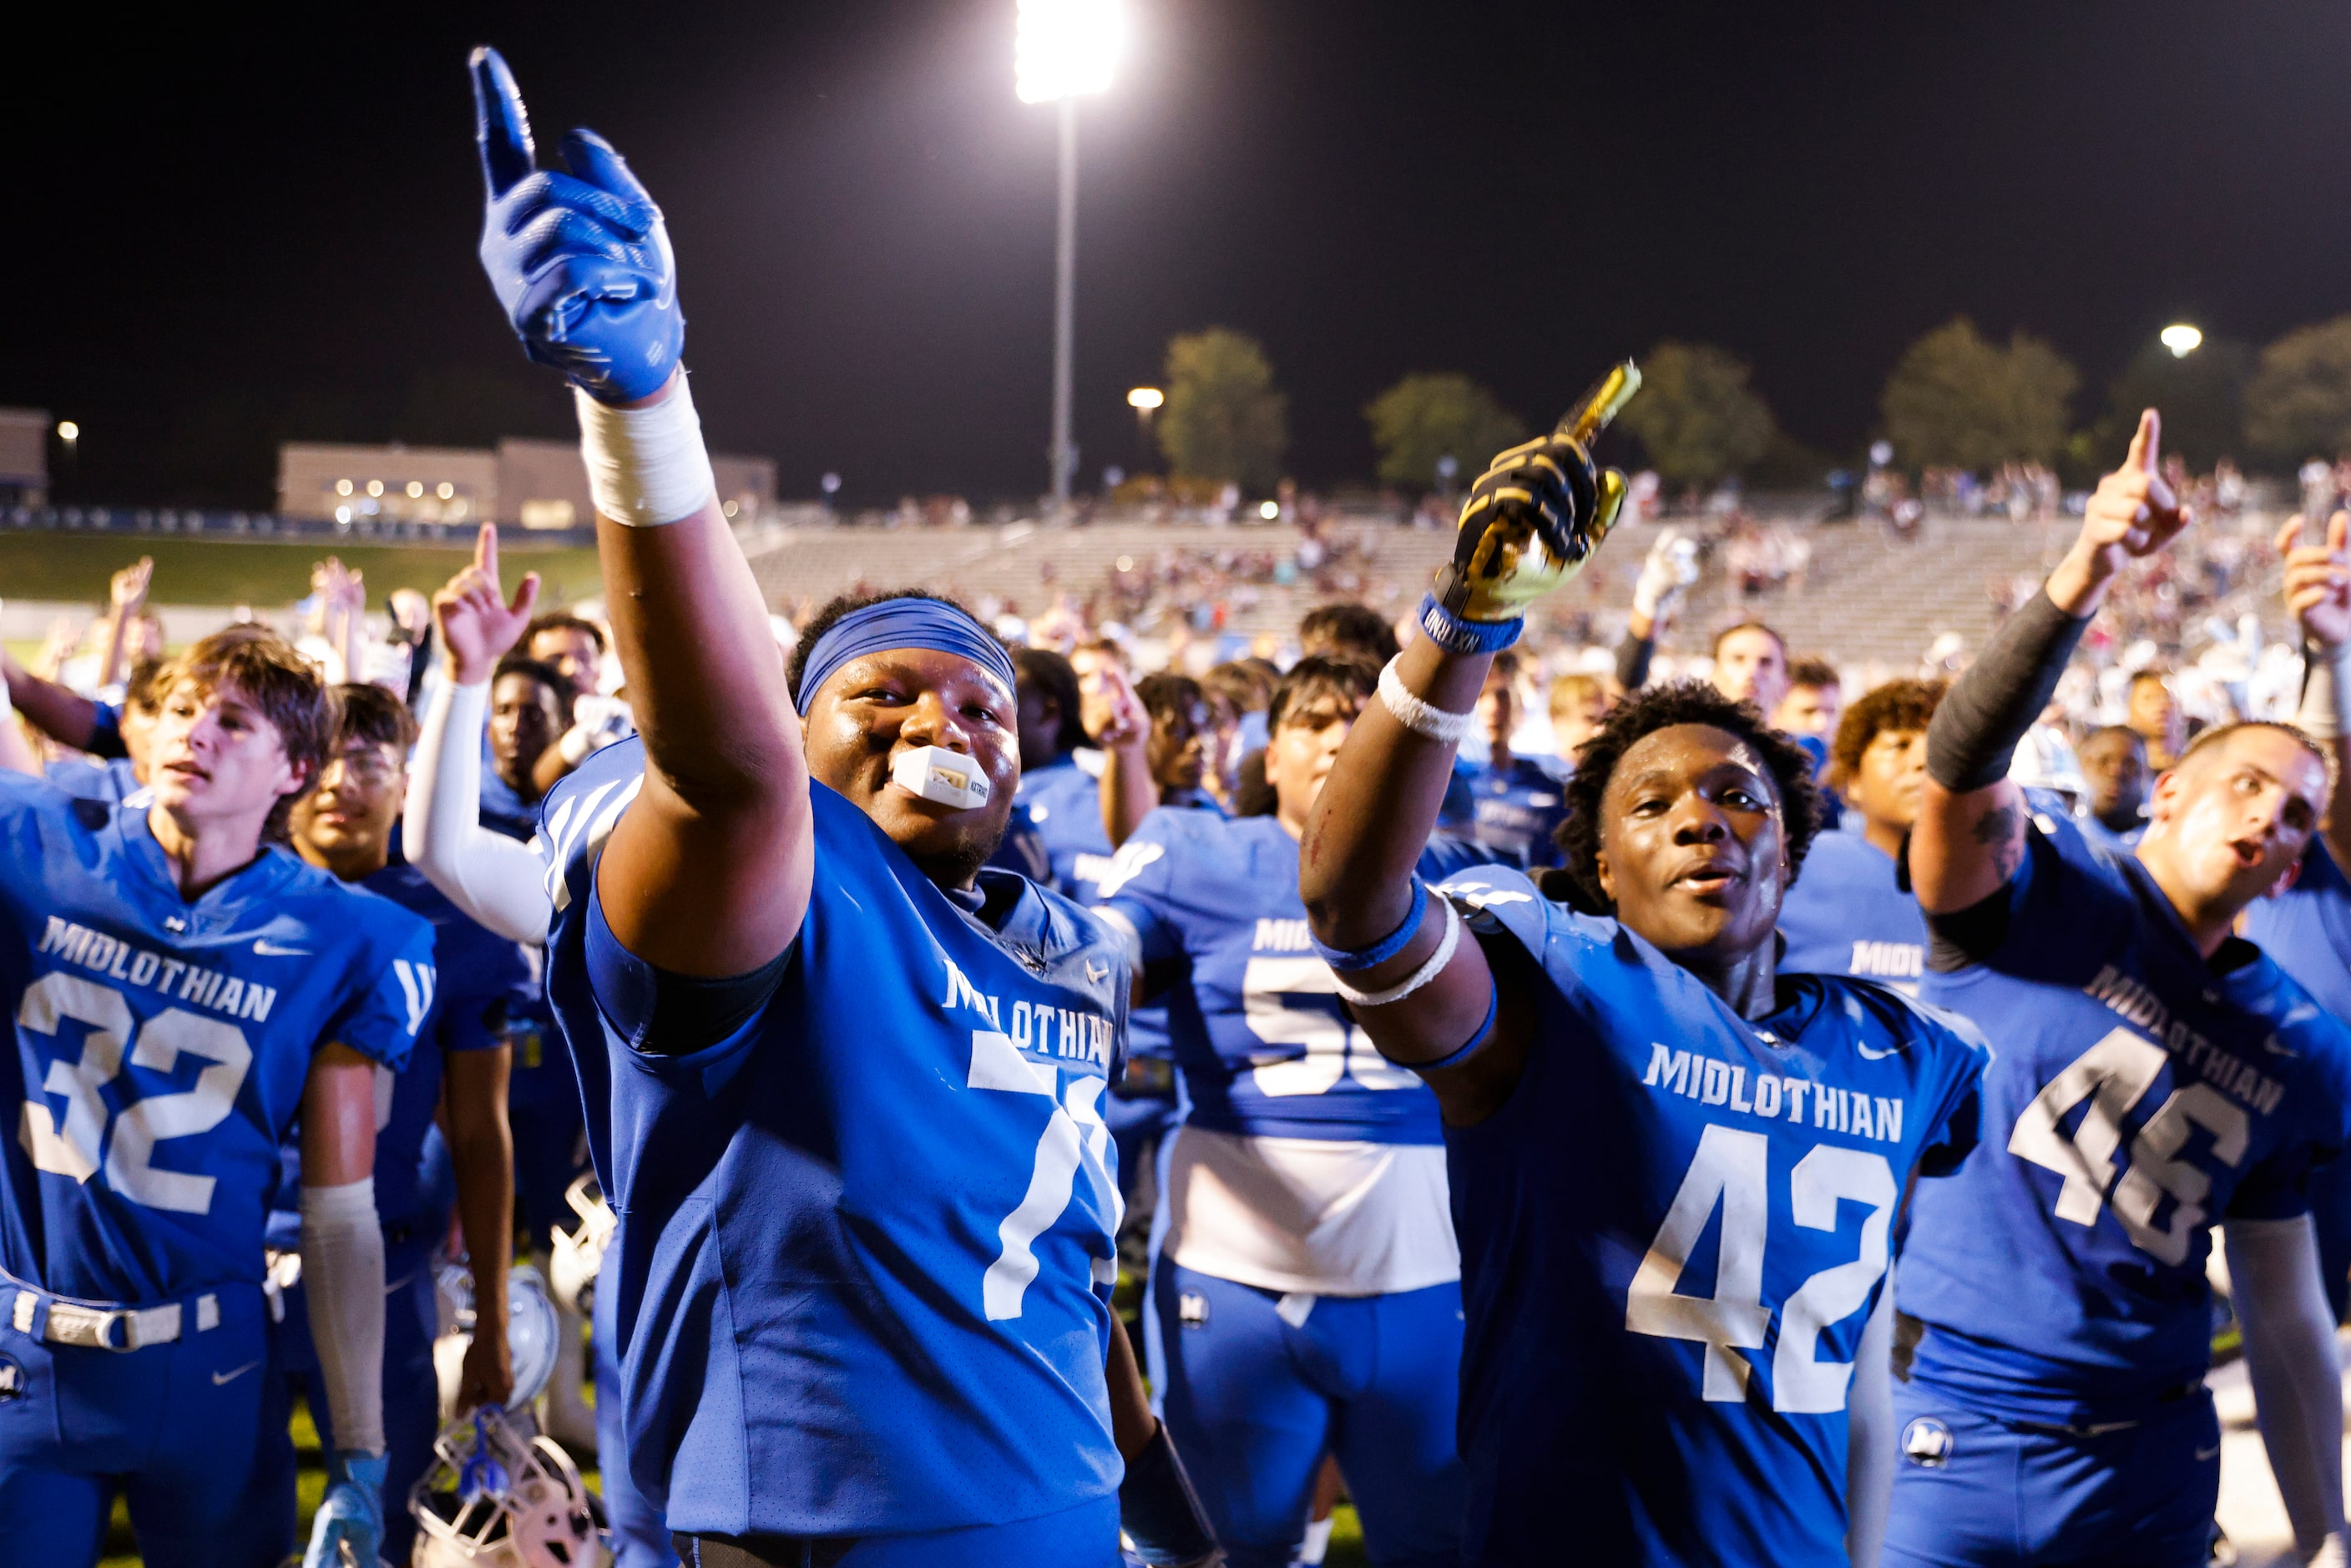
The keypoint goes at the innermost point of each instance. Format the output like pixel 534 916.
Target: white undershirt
pixel 1311 1217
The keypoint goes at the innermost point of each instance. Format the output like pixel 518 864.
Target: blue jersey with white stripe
pixel 1673 1233
pixel 1255 1020
pixel 2140 1096
pixel 161 1046
pixel 867 1239
pixel 480 979
pixel 2308 929
pixel 1845 915
pixel 1064 808
pixel 1516 807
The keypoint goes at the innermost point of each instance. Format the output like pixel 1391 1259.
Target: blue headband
pixel 902 623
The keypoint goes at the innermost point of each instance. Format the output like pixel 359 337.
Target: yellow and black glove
pixel 1531 521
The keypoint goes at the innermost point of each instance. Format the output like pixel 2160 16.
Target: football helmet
pixel 532 1330
pixel 580 1251
pixel 498 1495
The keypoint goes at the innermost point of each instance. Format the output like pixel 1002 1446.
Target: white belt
pixel 107 1328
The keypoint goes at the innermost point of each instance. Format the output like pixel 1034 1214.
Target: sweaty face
pixel 574 654
pixel 214 754
pixel 1178 749
pixel 350 812
pixel 2114 766
pixel 1692 847
pixel 2231 821
pixel 1887 785
pixel 1752 667
pixel 1812 710
pixel 525 720
pixel 1298 758
pixel 872 709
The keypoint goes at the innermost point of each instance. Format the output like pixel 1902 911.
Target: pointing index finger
pixel 2146 443
pixel 485 553
pixel 501 125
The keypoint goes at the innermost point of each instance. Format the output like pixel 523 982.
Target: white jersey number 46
pixel 1730 1170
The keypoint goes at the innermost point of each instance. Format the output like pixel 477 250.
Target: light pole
pixel 1146 401
pixel 2181 339
pixel 1063 48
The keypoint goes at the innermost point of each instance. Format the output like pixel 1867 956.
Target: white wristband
pixel 1419 977
pixel 1420 717
pixel 2325 690
pixel 646 466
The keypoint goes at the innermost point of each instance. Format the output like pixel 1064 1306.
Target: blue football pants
pixel 178 1428
pixel 641 1538
pixel 411 1396
pixel 1254 1402
pixel 2007 1496
pixel 1085 1536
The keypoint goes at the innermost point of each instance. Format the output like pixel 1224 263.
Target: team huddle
pixel 1726 1150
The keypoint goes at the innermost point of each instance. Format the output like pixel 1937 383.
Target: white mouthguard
pixel 935 773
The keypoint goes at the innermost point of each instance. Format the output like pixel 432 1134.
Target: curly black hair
pixel 848 604
pixel 1661 707
pixel 1904 704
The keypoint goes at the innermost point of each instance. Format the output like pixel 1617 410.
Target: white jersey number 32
pixel 80 1148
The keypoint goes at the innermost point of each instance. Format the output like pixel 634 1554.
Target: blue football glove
pixel 581 261
pixel 349 1529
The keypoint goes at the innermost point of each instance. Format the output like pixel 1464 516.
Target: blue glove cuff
pixel 1457 635
pixel 360 1468
pixel 1348 961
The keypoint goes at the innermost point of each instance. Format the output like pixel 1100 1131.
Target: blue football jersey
pixel 1260 1039
pixel 2308 929
pixel 1516 808
pixel 1672 1235
pixel 867 1239
pixel 1064 806
pixel 94 777
pixel 161 1046
pixel 2138 1098
pixel 480 979
pixel 1847 915
pixel 2107 839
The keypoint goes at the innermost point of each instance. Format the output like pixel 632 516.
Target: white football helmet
pixel 580 1251
pixel 532 1332
pixel 498 1495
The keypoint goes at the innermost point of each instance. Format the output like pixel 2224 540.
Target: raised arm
pixel 1529 524
pixel 2318 595
pixel 709 871
pixel 1115 721
pixel 58 711
pixel 492 878
pixel 126 598
pixel 1969 836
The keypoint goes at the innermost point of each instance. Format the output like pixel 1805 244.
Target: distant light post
pixel 69 433
pixel 2181 339
pixel 1063 48
pixel 1146 401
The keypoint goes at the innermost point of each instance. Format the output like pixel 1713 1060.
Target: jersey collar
pixel 261 874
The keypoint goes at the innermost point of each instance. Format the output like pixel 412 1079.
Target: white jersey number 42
pixel 1730 1170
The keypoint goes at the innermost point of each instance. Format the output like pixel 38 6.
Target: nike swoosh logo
pixel 1869 1055
pixel 2211 1453
pixel 220 1378
pixel 269 949
pixel 1097 973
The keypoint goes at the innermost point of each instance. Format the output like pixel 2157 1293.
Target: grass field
pixel 233 571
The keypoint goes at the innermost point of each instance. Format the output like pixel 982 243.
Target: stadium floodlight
pixel 1061 50
pixel 68 432
pixel 1145 398
pixel 2181 339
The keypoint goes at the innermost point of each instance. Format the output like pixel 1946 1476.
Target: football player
pixel 2306 927
pixel 846 1079
pixel 458 1073
pixel 1671 1386
pixel 183 990
pixel 2114 770
pixel 499 882
pixel 1517 801
pixel 1750 665
pixel 1850 916
pixel 2156 1075
pixel 1306 1283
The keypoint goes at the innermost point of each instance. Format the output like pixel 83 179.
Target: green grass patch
pixel 39 565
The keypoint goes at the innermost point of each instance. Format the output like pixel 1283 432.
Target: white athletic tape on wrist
pixel 1419 977
pixel 646 467
pixel 936 773
pixel 1420 717
pixel 2325 688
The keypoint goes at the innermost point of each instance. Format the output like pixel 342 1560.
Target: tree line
pixel 1955 399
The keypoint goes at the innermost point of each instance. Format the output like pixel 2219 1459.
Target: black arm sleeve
pixel 1969 936
pixel 1633 656
pixel 1975 730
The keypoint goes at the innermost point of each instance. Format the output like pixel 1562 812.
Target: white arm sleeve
pixel 488 875
pixel 2296 1369
pixel 342 1282
pixel 1870 1439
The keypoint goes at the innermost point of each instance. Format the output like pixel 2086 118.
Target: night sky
pixel 237 228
